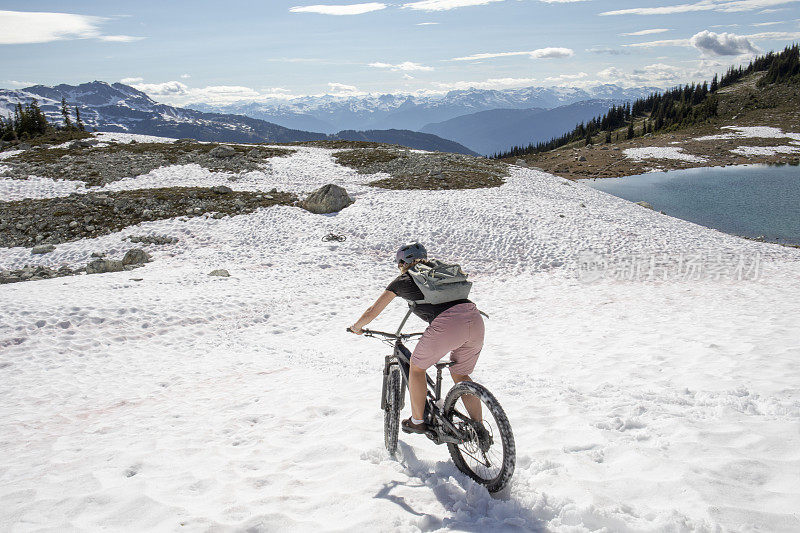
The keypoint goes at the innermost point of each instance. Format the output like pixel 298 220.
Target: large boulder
pixel 101 266
pixel 43 249
pixel 327 199
pixel 135 256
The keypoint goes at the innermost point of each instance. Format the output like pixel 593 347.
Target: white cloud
pixel 561 1
pixel 428 24
pixel 728 6
pixel 566 77
pixel 351 9
pixel 493 83
pixel 541 53
pixel 775 35
pixel 404 66
pixel 665 42
pixel 646 32
pixel 129 81
pixel 408 77
pixel 185 76
pixel 27 27
pixel 767 23
pixel 342 88
pixel 17 84
pixel 722 44
pixel 607 50
pixel 446 5
pixel 178 93
pixel 119 38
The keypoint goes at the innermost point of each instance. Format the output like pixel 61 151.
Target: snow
pixel 36 187
pixel 741 132
pixel 764 150
pixel 113 136
pixel 661 152
pixel 184 401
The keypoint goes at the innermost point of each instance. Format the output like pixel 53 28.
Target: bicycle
pixel 487 456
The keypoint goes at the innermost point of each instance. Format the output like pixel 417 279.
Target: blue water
pixel 747 200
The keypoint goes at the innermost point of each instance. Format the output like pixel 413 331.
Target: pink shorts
pixel 458 330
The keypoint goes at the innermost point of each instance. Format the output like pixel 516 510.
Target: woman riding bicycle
pixel 455 327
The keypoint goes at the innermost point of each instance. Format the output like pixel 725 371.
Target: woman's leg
pixel 472 403
pixel 417 390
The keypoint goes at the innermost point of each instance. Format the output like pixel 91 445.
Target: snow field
pixel 765 150
pixel 184 400
pixel 661 152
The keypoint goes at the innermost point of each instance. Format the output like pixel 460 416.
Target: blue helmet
pixel 408 253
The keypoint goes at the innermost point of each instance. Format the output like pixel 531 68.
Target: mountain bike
pixel 483 449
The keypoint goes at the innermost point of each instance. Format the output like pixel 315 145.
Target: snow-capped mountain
pixel 332 113
pixel 122 108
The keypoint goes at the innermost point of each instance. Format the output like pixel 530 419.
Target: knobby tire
pixel 506 437
pixel 391 416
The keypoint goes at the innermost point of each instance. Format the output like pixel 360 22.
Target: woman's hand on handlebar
pixel 357 331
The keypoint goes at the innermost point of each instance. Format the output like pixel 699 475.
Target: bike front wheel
pixel 489 454
pixel 391 413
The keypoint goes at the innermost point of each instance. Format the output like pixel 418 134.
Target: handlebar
pixel 385 335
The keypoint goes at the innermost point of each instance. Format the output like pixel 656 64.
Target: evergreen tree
pixel 65 114
pixel 78 119
pixel 631 131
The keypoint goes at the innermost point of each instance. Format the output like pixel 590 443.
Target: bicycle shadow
pixel 469 505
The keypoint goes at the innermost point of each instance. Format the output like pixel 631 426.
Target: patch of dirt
pixel 432 171
pixel 103 165
pixel 79 216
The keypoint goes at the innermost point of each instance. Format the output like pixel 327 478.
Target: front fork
pixel 391 362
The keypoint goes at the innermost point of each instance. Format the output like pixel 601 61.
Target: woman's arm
pixel 373 311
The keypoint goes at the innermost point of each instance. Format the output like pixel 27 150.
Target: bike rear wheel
pixel 391 413
pixel 488 460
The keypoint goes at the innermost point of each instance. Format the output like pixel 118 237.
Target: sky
pixel 182 52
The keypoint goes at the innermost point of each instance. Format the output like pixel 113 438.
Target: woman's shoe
pixel 410 427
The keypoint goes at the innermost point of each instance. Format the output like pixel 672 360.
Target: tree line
pixel 674 108
pixel 28 121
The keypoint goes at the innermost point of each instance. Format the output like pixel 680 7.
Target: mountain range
pixel 497 130
pixel 472 121
pixel 333 113
pixel 122 108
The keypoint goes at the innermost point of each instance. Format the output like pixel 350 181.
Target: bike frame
pixel 442 431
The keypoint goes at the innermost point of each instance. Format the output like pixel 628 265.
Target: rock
pixel 645 205
pixel 186 140
pixel 223 151
pixel 43 249
pixel 101 266
pixel 147 213
pixel 23 146
pixel 136 256
pixel 73 224
pixel 521 163
pixel 327 199
pixel 220 272
pixel 582 158
pixel 221 189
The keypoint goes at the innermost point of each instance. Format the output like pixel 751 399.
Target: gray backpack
pixel 440 282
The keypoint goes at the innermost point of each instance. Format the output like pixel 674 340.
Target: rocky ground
pixel 96 166
pixel 132 259
pixel 410 169
pixel 79 216
pixel 743 105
